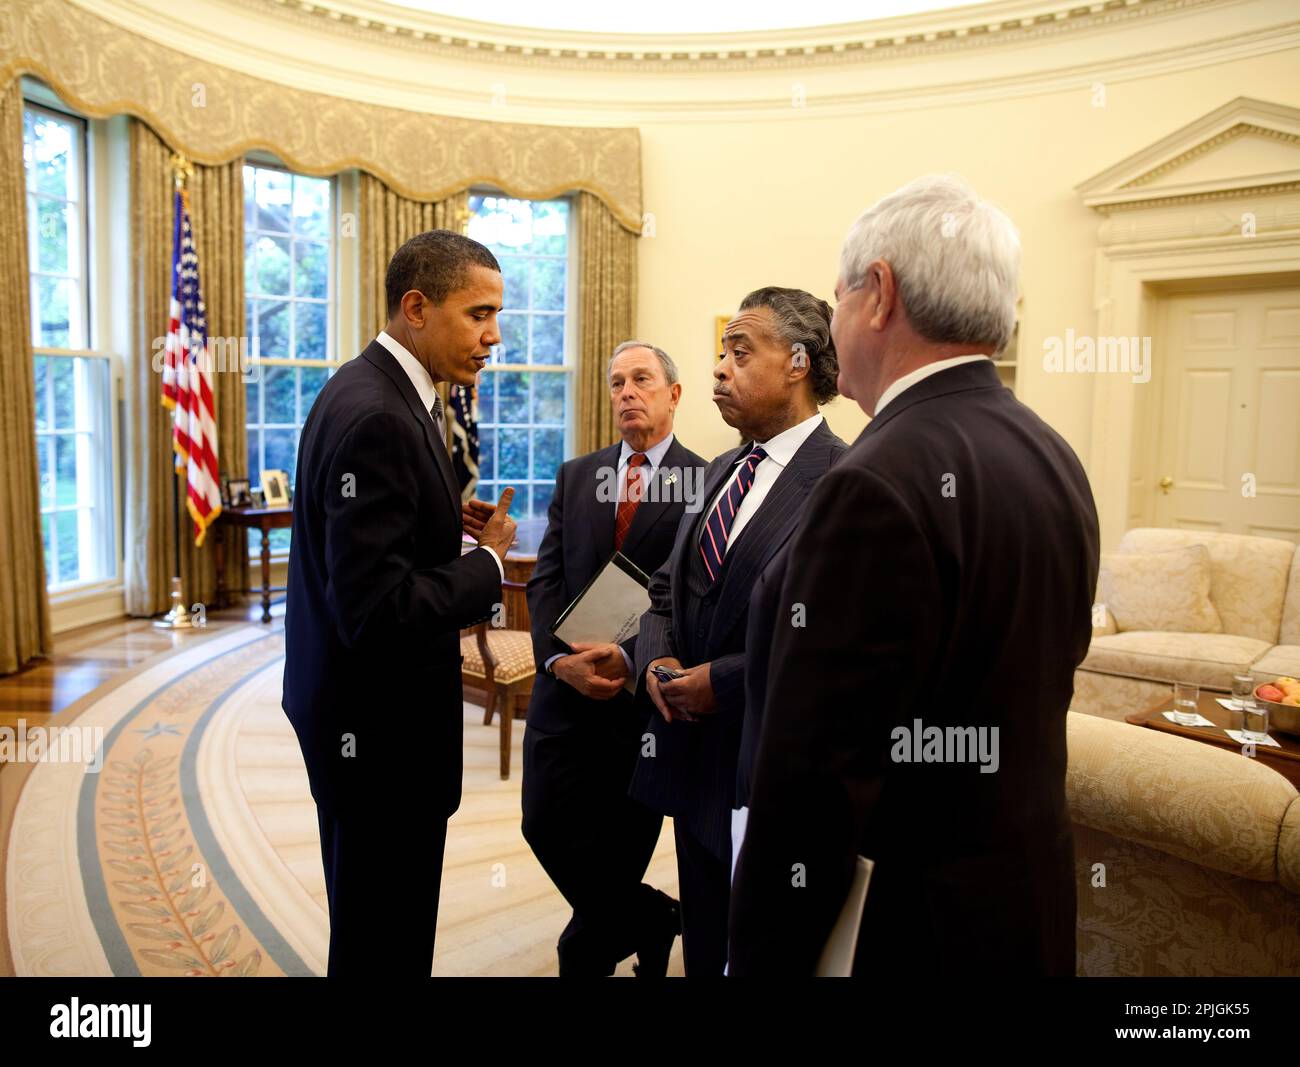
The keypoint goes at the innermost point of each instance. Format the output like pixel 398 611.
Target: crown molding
pixel 949 61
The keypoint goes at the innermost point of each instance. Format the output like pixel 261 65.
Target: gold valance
pixel 101 69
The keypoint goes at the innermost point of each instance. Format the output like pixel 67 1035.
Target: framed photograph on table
pixel 275 487
pixel 237 493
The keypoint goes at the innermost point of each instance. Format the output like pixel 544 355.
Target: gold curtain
pixel 24 607
pixel 217 206
pixel 606 315
pixel 389 219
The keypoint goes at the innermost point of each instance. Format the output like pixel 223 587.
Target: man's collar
pixel 420 378
pixel 784 445
pixel 920 374
pixel 654 454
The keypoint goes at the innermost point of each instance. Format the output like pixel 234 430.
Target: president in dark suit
pixel 944 572
pixel 584 730
pixel 777 366
pixel 378 590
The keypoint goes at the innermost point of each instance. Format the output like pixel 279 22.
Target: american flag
pixel 187 380
pixel 464 439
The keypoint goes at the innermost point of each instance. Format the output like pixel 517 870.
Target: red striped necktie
pixel 713 538
pixel 632 493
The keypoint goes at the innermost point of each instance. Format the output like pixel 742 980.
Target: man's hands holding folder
pixel 595 671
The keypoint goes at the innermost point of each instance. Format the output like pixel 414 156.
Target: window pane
pixel 548 398
pixel 514 278
pixel 273 199
pixel 47 543
pixel 272 273
pixel 542 499
pixel 312 340
pixel 65 400
pixel 548 453
pixel 250 198
pixel 551 227
pixel 514 338
pixel 69 557
pixel 277 396
pixel 65 473
pixel 53 325
pixel 512 396
pixel 548 339
pixel 486 455
pixel 273 328
pixel 486 396
pixel 41 365
pixel 548 284
pixel 310 382
pixel 254 458
pixel 311 261
pixel 47 152
pixel 311 206
pixel 45 457
pixel 281 451
pixel 54 250
pixel 512 454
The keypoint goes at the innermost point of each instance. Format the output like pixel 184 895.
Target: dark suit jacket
pixel 378 590
pixel 947 567
pixel 692 774
pixel 579 541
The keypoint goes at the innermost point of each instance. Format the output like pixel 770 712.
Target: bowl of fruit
pixel 1282 697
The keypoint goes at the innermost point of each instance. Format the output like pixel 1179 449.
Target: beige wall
pixel 746 204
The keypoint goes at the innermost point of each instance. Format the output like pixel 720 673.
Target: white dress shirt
pixel 909 380
pixel 423 382
pixel 780 450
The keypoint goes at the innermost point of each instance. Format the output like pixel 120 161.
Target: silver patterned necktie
pixel 436 412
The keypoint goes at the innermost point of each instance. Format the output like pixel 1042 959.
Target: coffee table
pixel 1284 760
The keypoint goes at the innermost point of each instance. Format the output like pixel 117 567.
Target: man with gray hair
pixel 943 575
pixel 583 731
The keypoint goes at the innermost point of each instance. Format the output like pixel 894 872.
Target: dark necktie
pixel 631 500
pixel 713 538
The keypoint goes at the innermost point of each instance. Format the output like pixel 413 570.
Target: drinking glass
pixel 1243 690
pixel 1254 721
pixel 1186 697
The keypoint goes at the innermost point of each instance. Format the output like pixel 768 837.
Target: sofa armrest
pixel 1103 622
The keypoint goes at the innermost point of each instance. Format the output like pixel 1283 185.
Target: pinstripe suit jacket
pixel 692 772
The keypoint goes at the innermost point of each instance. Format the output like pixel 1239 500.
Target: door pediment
pixel 1247 146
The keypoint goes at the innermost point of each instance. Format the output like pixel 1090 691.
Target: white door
pixel 1228 364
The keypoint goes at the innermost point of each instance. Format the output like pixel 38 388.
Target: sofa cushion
pixel 1167 591
pixel 1288 849
pixel 1207 660
pixel 1280 661
pixel 1248 575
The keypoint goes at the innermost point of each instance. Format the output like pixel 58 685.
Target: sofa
pixel 1187 856
pixel 1252 624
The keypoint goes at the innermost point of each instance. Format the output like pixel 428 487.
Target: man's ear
pixel 413 308
pixel 676 391
pixel 881 293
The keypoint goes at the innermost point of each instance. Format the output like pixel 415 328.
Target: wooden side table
pixel 264 519
pixel 1284 760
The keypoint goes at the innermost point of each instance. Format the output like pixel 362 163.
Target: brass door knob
pixel 1166 483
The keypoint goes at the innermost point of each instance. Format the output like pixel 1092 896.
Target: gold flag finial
pixel 182 170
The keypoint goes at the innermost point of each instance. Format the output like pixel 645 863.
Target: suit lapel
pixel 603 515
pixel 378 355
pixel 771 526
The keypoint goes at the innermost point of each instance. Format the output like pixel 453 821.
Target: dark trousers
pixel 367 861
pixel 705 888
pixel 592 839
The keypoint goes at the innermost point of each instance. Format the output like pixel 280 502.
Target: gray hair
pixel 955 257
pixel 670 368
pixel 803 322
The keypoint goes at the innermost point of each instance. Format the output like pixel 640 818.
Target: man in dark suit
pixel 584 731
pixel 944 571
pixel 378 590
pixel 777 367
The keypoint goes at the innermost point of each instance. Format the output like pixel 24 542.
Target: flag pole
pixel 178 618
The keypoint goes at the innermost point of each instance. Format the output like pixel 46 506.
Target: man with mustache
pixel 777 366
pixel 584 729
pixel 378 592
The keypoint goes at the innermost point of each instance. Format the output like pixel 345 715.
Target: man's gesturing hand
pixel 491 527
